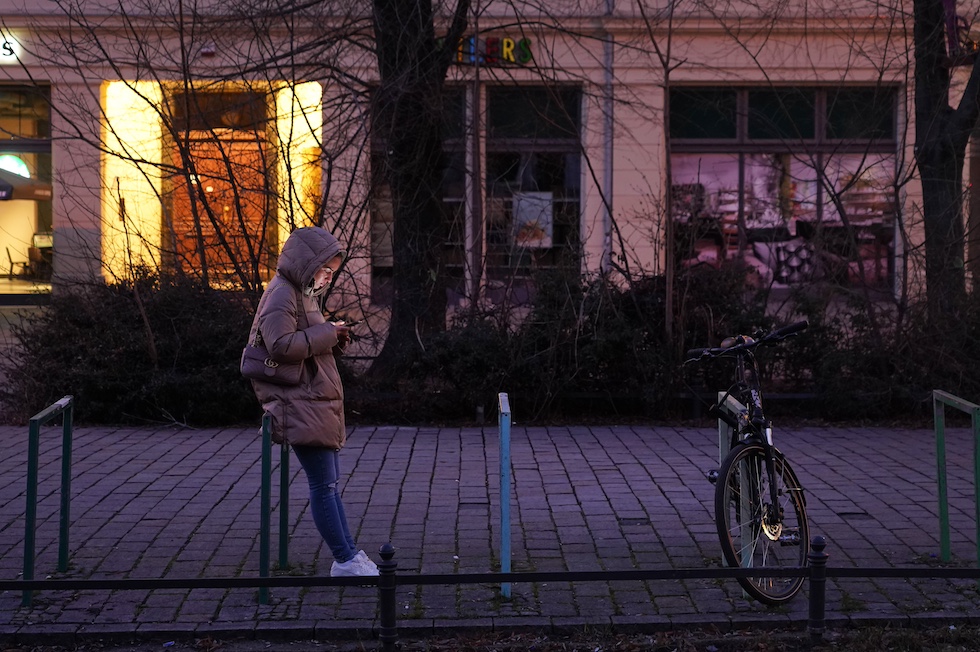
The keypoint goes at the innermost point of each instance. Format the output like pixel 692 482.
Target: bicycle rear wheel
pixel 754 533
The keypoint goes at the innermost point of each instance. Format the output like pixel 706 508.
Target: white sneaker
pixel 357 566
pixel 366 561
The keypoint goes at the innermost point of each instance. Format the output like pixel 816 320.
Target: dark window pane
pixel 503 173
pixel 454 175
pixel 509 172
pixel 454 113
pixel 781 114
pixel 206 110
pixel 861 113
pixel 702 113
pixel 533 112
pixel 25 112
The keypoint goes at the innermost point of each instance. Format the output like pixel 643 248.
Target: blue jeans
pixel 322 467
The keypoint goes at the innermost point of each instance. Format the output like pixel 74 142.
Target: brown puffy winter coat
pixel 293 328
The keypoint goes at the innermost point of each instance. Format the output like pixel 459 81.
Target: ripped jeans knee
pixel 322 467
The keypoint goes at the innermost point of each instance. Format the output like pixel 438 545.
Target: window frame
pixel 520 261
pixel 821 149
pixel 820 143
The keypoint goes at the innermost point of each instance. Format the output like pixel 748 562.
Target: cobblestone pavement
pixel 185 503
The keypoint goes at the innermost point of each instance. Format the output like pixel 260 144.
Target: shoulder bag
pixel 257 364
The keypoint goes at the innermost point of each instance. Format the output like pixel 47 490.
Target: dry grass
pixel 865 639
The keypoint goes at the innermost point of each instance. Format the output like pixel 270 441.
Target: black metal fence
pixel 389 580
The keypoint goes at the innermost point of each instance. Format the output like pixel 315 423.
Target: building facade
pixel 580 137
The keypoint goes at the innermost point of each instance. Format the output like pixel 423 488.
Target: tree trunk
pixel 407 123
pixel 941 137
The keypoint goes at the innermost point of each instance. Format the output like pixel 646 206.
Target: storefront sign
pixel 493 51
pixel 9 49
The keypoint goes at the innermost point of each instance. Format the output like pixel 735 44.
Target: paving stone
pixel 166 502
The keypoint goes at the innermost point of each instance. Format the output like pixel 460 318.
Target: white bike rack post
pixel 733 407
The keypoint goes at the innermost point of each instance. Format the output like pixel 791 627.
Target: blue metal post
pixel 504 427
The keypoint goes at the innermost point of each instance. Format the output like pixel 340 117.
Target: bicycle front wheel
pixel 754 532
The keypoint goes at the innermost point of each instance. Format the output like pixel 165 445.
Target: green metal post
pixel 939 418
pixel 62 406
pixel 284 506
pixel 30 513
pixel 940 400
pixel 975 420
pixel 266 505
pixel 66 445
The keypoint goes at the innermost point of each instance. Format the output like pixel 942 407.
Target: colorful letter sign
pixel 493 51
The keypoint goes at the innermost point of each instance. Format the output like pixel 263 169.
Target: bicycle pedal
pixel 790 537
pixel 712 475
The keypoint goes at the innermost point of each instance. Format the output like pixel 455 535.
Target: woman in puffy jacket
pixel 310 416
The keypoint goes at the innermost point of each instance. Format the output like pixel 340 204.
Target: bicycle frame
pixel 754 425
pixel 757 507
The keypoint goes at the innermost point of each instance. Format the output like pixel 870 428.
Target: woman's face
pixel 322 276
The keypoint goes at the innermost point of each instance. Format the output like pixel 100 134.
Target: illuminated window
pixel 15 165
pixel 797 185
pixel 25 156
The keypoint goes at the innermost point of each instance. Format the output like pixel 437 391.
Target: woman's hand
pixel 343 334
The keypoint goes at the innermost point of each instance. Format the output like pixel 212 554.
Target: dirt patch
pixel 947 638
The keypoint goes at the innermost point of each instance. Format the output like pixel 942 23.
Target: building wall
pixel 606 47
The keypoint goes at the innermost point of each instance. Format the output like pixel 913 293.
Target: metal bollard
pixel 64 406
pixel 265 502
pixel 818 587
pixel 387 583
pixel 504 422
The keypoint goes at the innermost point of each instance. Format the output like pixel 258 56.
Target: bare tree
pixel 942 134
pixel 408 116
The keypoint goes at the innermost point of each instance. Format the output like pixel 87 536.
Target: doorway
pixel 219 210
pixel 220 196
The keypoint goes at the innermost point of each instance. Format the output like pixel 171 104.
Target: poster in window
pixel 533 219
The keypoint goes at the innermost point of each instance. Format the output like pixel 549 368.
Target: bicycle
pixel 760 508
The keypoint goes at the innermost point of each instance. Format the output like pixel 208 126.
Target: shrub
pixel 159 349
pixel 163 349
pixel 597 347
pixel 584 348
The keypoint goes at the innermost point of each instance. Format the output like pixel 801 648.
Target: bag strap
pixel 302 321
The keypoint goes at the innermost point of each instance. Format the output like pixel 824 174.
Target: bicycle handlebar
pixel 773 337
pixel 792 329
